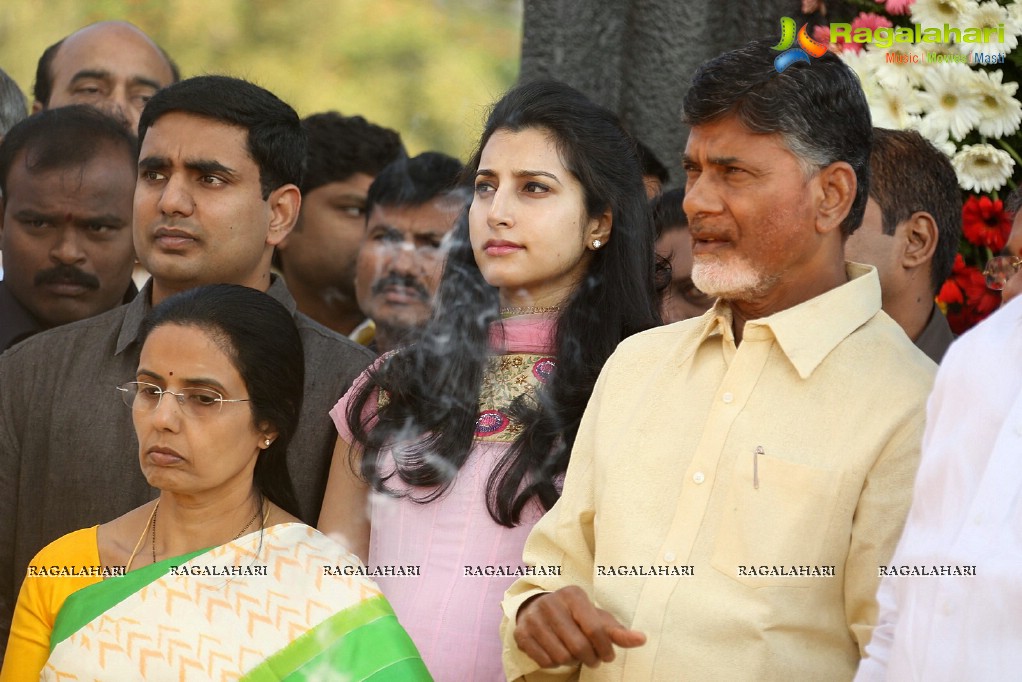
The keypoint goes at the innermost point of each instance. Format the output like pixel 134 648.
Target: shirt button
pixel 698 477
pixel 668 556
pixel 946 609
pixel 728 397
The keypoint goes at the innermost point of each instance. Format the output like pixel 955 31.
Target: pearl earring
pixel 597 243
pixel 267 441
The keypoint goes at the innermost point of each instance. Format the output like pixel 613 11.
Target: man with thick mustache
pixel 67 177
pixel 217 188
pixel 410 207
pixel 753 465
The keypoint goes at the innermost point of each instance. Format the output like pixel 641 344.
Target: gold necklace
pixel 152 524
pixel 528 310
pixel 259 508
pixel 138 545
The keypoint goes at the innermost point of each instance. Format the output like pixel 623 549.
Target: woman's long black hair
pixel 433 387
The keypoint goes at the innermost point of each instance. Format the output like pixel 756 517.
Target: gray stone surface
pixel 636 57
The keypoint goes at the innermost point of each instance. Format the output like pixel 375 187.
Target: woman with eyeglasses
pixel 216 578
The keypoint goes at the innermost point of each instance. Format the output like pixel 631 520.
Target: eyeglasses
pixel 1000 269
pixel 194 402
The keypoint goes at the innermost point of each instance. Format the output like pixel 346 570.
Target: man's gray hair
pixel 13 106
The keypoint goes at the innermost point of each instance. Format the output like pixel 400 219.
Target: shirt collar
pixel 134 313
pixel 809 331
pixel 140 307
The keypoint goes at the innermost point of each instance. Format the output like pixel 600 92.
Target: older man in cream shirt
pixel 739 478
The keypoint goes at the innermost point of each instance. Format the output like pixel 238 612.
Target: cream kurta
pixel 794 452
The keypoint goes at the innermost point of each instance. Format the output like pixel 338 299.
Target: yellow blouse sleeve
pixel 42 595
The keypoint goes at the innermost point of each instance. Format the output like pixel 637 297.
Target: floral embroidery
pixel 507 377
pixel 544 369
pixel 491 422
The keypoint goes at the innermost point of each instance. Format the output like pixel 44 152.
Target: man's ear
pixel 920 240
pixel 284 202
pixel 837 184
pixel 282 245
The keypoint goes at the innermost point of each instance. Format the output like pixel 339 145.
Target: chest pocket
pixel 782 523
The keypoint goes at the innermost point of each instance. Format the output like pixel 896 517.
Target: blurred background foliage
pixel 427 68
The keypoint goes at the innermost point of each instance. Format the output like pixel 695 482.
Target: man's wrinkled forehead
pixel 727 140
pixel 83 53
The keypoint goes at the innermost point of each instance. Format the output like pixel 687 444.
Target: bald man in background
pixel 110 65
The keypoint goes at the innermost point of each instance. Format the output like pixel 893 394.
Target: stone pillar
pixel 636 57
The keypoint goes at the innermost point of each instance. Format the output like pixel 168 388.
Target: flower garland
pixel 967 108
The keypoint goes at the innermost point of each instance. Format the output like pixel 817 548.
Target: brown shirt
pixel 16 323
pixel 68 451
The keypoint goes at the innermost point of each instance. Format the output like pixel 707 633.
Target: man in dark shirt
pixel 317 258
pixel 219 167
pixel 67 177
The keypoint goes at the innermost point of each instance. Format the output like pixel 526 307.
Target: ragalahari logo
pixel 806 46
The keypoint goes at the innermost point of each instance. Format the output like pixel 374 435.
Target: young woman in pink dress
pixel 451 449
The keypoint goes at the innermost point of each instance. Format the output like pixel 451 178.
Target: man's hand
pixel 565 627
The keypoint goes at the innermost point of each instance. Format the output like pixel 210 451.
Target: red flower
pixel 964 297
pixel 985 222
pixel 897 6
pixel 950 294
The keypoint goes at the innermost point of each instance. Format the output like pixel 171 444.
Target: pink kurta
pixel 452 610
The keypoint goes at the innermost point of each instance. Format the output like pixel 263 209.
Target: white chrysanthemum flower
pixel 1015 12
pixel 905 74
pixel 1001 112
pixel 896 108
pixel 938 137
pixel 986 16
pixel 947 147
pixel 865 64
pixel 938 48
pixel 937 133
pixel 950 49
pixel 949 99
pixel 982 167
pixel 936 13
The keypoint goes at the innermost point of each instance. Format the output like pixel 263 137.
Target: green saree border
pixel 365 642
pixel 87 604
